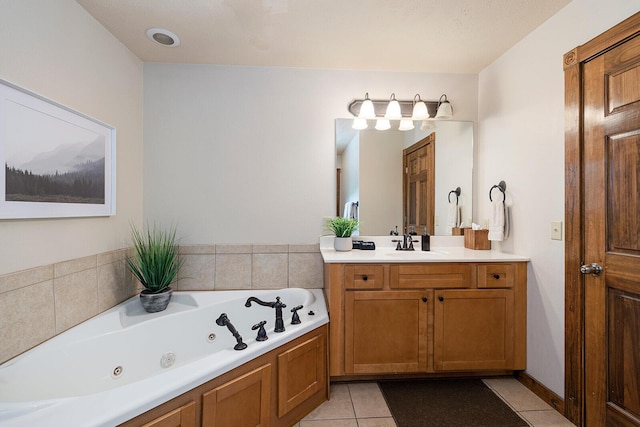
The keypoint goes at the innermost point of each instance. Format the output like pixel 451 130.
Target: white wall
pixel 521 141
pixel 246 154
pixel 59 51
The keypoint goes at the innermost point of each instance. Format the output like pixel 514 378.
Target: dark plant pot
pixel 154 302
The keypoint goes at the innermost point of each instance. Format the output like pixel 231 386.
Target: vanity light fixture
pixel 445 110
pixel 163 37
pixel 359 124
pixel 406 124
pixel 383 124
pixel 393 109
pixel 428 125
pixel 367 111
pixel 397 109
pixel 420 111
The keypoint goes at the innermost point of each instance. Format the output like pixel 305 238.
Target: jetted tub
pixel 125 361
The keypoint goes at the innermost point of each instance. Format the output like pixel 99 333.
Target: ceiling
pixel 447 36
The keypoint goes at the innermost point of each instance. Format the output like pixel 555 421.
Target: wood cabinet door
pixel 473 329
pixel 386 331
pixel 302 372
pixel 184 416
pixel 242 402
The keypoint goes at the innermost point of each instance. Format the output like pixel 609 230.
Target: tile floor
pixel 362 405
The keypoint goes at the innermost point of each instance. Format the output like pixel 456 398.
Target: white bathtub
pixel 72 379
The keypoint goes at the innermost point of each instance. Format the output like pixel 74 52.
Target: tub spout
pixel 223 320
pixel 275 304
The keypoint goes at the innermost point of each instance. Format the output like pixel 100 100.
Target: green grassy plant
pixel 342 227
pixel 155 262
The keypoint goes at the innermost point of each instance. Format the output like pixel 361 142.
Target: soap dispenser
pixel 426 240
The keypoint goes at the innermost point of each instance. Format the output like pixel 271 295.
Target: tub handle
pixel 295 319
pixel 262 334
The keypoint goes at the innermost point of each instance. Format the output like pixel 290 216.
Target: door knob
pixel 592 268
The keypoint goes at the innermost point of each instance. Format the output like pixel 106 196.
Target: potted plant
pixel 343 228
pixel 155 263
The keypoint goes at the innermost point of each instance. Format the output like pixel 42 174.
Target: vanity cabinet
pixel 385 331
pixel 474 330
pixel 426 318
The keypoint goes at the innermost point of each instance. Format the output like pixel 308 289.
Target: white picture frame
pixel 58 162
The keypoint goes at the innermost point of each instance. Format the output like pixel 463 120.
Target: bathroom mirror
pixel 369 172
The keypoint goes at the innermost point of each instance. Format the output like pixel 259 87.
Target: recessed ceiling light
pixel 163 37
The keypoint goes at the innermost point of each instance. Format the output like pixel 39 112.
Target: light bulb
pixel 406 124
pixel 393 109
pixel 382 124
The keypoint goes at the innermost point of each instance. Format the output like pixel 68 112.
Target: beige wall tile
pixel 197 273
pixel 315 247
pixel 75 265
pixel 270 249
pixel 233 271
pixel 20 279
pixel 76 298
pixel 27 318
pixel 197 249
pixel 306 270
pixel 111 257
pixel 112 285
pixel 270 271
pixel 234 249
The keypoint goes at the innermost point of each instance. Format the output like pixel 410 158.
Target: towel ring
pixel 502 186
pixel 457 192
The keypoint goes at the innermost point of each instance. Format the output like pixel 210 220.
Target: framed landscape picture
pixel 58 162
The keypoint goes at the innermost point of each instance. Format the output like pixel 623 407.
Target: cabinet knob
pixel 424 299
pixel 496 276
pixel 365 278
pixel 440 298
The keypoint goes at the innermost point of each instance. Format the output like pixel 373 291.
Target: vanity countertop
pixel 453 250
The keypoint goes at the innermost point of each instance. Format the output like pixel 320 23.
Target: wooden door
pixel 385 331
pixel 604 166
pixel 419 185
pixel 474 329
pixel 241 402
pixel 612 235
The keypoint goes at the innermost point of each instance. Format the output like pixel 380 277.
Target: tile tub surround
pixel 41 302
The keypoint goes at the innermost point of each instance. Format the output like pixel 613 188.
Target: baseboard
pixel 541 391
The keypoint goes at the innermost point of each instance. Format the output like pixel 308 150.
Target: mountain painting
pixel 51 160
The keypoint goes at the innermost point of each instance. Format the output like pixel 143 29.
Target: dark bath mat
pixel 443 403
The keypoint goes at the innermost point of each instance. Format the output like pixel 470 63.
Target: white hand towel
pixel 496 221
pixel 453 215
pixel 507 221
pixel 347 210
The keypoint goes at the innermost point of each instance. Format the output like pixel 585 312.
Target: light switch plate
pixel 556 230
